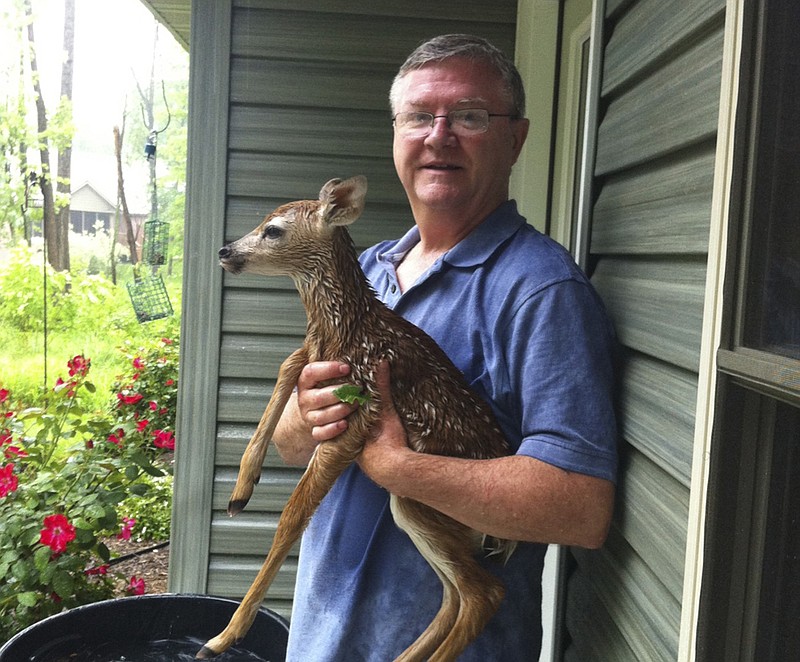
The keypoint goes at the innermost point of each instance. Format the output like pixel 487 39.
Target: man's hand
pixel 323 412
pixel 313 414
pixel 389 440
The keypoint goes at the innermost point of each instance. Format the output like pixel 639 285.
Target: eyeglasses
pixel 462 122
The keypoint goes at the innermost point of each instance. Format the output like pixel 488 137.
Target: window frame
pixel 772 374
pixel 745 485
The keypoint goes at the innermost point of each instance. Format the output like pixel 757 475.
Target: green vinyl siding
pixel 653 179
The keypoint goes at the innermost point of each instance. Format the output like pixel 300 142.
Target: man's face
pixel 445 173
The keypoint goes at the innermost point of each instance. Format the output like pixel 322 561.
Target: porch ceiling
pixel 175 15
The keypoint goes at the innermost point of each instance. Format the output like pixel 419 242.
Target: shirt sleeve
pixel 560 371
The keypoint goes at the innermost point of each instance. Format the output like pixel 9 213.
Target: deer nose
pixel 224 252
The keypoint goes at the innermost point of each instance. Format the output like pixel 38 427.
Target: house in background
pixel 664 152
pixel 90 210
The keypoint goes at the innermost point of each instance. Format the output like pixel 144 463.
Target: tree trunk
pixel 45 182
pixel 64 171
pixel 126 216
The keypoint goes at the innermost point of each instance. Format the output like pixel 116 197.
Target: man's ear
pixel 343 201
pixel 519 130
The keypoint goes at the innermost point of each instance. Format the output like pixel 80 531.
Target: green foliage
pixel 75 302
pixel 63 476
pixel 14 176
pixel 70 477
pixel 152 511
pixel 71 301
pixel 147 394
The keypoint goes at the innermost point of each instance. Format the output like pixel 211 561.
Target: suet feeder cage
pixel 154 247
pixel 150 299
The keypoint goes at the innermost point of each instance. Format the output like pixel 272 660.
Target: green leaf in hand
pixel 351 394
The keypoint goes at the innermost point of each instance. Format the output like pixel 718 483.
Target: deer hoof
pixel 205 653
pixel 235 506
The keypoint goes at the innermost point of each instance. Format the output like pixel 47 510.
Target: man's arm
pixel 515 497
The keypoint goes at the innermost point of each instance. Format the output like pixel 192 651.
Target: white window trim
pixel 712 325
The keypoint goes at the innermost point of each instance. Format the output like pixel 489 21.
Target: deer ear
pixel 343 201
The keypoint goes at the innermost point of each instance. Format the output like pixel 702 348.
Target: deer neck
pixel 337 297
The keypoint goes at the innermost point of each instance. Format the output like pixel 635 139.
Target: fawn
pixel 308 241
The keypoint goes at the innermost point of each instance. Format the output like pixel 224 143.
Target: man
pixel 521 321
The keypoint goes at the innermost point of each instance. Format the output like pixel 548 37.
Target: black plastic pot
pixel 148 628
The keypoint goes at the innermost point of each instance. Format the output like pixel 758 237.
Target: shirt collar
pixel 473 249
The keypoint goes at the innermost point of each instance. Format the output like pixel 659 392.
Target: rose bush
pixel 147 396
pixel 64 473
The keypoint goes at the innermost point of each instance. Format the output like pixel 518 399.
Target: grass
pixel 29 361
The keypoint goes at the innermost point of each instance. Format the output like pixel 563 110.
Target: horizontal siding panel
pixel 271 493
pixel 247 534
pixel 243 400
pixel 378 222
pixel 254 356
pixel 262 311
pixel 673 109
pixel 281 284
pixel 230 576
pixel 232 439
pixel 656 305
pixel 296 177
pixel 661 209
pixel 255 82
pixel 594 637
pixel 312 131
pixel 638 603
pixel 653 518
pixel 502 11
pixel 658 411
pixel 649 30
pixel 318 35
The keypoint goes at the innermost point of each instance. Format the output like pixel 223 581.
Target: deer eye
pixel 272 232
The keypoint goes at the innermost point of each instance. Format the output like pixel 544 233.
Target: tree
pixel 64 171
pixel 123 201
pixel 147 98
pixel 15 182
pixel 17 176
pixel 57 237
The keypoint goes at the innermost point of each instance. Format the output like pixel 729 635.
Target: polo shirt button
pixel 393 289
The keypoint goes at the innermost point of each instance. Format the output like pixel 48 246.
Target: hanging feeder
pixel 154 245
pixel 150 299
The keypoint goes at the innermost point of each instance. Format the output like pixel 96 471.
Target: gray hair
pixel 468 47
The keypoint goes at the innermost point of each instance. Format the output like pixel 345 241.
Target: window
pixel 749 607
pixel 772 289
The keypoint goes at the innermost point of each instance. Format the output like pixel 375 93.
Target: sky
pixel 113 48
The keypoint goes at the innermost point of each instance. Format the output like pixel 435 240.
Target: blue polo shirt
pixel 521 321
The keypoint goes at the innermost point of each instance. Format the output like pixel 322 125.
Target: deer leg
pixel 471 595
pixel 253 457
pixel 435 633
pixel 329 461
pixel 481 594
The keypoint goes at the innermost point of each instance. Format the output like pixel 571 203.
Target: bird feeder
pixel 149 298
pixel 154 245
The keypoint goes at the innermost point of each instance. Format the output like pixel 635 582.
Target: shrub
pixel 151 512
pixel 23 302
pixel 63 473
pixel 147 395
